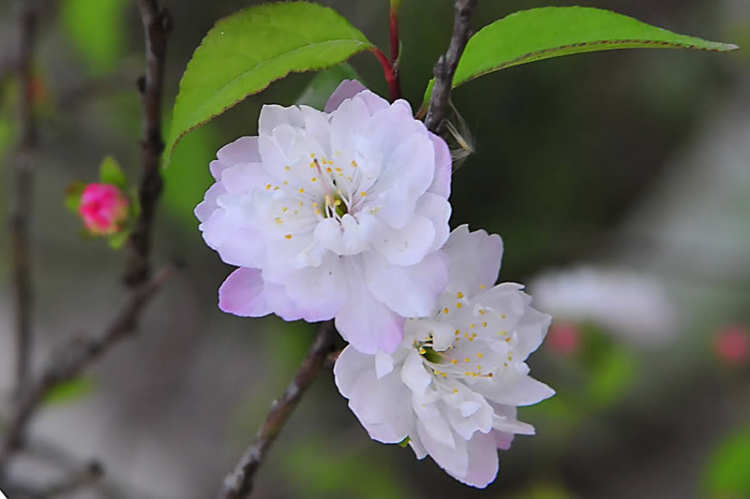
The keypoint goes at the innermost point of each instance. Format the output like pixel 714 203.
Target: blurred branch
pixel 22 191
pixel 445 67
pixel 75 482
pixel 77 355
pixel 156 24
pixel 239 484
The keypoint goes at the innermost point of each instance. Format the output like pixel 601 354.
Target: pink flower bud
pixel 564 338
pixel 732 345
pixel 103 208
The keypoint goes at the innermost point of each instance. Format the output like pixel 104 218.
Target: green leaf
pixel 118 239
pixel 727 474
pixel 97 30
pixel 73 195
pixel 245 52
pixel 324 83
pixel 538 34
pixel 70 391
pixel 111 173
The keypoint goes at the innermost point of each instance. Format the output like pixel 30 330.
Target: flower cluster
pixel 344 214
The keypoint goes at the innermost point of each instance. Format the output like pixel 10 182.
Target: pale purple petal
pixel 206 208
pixel 408 245
pixel 454 460
pixel 273 116
pixel 346 90
pixel 438 210
pixel 524 390
pixel 410 291
pixel 242 294
pixel 319 291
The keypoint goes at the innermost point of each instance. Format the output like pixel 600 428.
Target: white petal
pixel 410 291
pixel 441 184
pixel 206 208
pixel 346 90
pixel 414 375
pixel 383 364
pixel 524 390
pixel 474 260
pixel 273 116
pixel 236 245
pixel 438 210
pixel 408 245
pixel 503 440
pixel 453 459
pixel 433 420
pixel 363 321
pixel 531 329
pixel 319 291
pixel 348 237
pixel 242 150
pixel 483 461
pixel 382 406
pixel 349 366
pixel 416 445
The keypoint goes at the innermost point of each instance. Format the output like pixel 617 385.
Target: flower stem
pixel 390 74
pixel 395 42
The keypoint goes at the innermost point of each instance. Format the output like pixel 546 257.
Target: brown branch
pixel 156 24
pixel 77 355
pixel 22 192
pixel 239 484
pixel 445 68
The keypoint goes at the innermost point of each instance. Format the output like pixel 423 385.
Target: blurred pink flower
pixel 564 338
pixel 732 344
pixel 103 208
pixel 336 214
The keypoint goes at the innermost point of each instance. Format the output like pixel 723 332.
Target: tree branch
pixel 445 68
pixel 74 358
pixel 76 481
pixel 239 484
pixel 22 192
pixel 156 24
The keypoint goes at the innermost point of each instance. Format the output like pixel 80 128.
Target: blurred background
pixel 619 181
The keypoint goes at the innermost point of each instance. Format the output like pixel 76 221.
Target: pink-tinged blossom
pixel 732 345
pixel 337 214
pixel 453 385
pixel 103 208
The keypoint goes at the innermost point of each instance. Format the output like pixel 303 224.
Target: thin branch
pixel 445 68
pixel 390 73
pixel 395 43
pixel 77 355
pixel 239 484
pixel 22 192
pixel 76 481
pixel 156 24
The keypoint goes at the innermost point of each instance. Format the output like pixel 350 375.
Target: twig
pixel 395 43
pixel 74 358
pixel 445 67
pixel 390 73
pixel 22 192
pixel 156 24
pixel 78 480
pixel 239 484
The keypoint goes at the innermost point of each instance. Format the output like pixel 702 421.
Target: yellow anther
pixel 279 220
pixel 480 355
pixel 422 351
pixel 490 375
pixel 460 295
pixel 337 203
pixel 454 362
pixel 482 312
pixel 446 310
pixel 286 182
pixel 284 209
pixel 287 168
pixel 458 332
pixel 302 191
pixel 479 368
pixel 482 286
pixel 484 324
pixel 354 164
pixel 455 390
pixel 467 359
pixel 504 316
pixel 507 339
pixel 276 188
pixel 472 325
pixel 459 305
pixel 363 193
pixel 314 179
pixel 443 375
pixel 312 154
pixel 288 236
pixel 329 170
pixel 268 187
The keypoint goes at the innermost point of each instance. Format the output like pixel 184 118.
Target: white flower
pixel 620 301
pixel 453 385
pixel 333 214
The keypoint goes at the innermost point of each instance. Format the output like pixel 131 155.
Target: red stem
pixel 390 74
pixel 395 45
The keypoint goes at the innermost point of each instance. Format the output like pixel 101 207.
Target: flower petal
pixel 454 460
pixel 483 461
pixel 242 294
pixel 414 375
pixel 346 90
pixel 475 260
pixel 441 183
pixel 410 291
